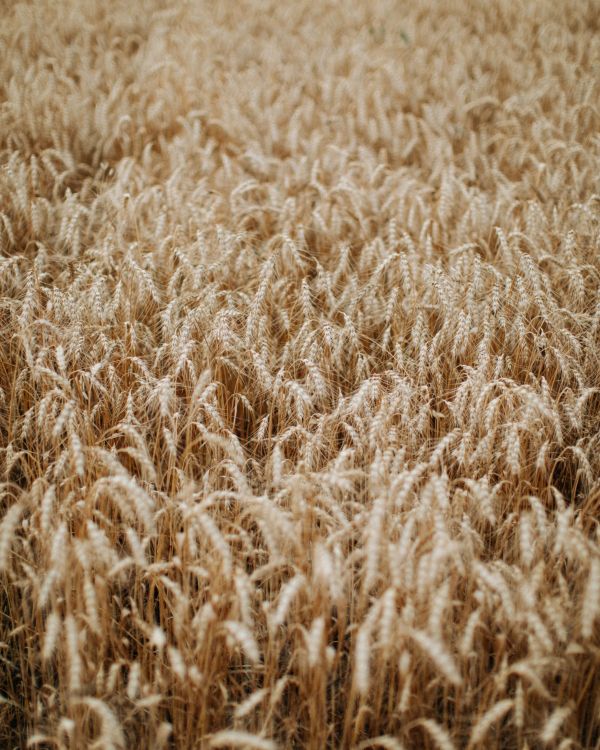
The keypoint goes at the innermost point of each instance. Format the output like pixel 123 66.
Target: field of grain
pixel 300 375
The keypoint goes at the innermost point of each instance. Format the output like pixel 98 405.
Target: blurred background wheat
pixel 300 375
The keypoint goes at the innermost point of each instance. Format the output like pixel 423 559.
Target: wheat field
pixel 300 375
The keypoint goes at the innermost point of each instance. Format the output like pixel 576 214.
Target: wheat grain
pixel 74 657
pixel 8 527
pixel 243 635
pixel 591 600
pixel 231 738
pixel 53 626
pixel 438 734
pixel 435 650
pixel 299 391
pixel 111 730
pixel 287 595
pixel 314 642
pixel 388 743
pixel 250 703
pixel 488 719
pixel 362 659
pixel 554 722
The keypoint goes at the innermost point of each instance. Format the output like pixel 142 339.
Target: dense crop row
pixel 299 375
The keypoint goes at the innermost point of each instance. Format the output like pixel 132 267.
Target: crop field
pixel 300 375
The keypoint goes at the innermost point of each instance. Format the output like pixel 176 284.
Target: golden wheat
pixel 300 374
